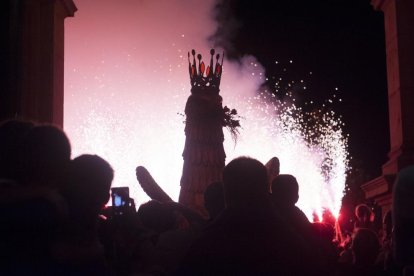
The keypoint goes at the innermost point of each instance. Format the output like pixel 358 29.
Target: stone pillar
pixel 399 39
pixel 35 54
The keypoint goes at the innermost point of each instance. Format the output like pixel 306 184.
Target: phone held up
pixel 121 202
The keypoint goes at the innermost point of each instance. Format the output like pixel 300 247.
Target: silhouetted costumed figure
pixel 204 156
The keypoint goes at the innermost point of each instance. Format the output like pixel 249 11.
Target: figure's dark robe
pixel 204 156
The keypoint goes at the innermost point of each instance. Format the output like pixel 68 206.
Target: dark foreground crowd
pixel 53 221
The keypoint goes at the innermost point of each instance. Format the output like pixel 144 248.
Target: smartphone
pixel 120 197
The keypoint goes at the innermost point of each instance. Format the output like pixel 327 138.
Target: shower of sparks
pixel 125 95
pixel 310 145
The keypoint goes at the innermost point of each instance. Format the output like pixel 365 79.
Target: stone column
pixel 35 61
pixel 399 39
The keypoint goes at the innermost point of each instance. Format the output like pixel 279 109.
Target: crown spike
pixel 194 62
pixel 210 72
pixel 217 68
pixel 199 64
pixel 189 64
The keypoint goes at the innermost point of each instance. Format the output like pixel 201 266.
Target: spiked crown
pixel 210 81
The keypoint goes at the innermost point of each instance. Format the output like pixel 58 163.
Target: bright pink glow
pixel 126 80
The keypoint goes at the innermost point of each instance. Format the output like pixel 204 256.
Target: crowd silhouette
pixel 54 220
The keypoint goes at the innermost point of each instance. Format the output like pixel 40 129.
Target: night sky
pixel 340 41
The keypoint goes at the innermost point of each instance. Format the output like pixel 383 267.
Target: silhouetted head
pixel 363 214
pixel 403 216
pixel 88 184
pixel 285 190
pixel 366 246
pixel 45 154
pixel 12 133
pixel 214 199
pixel 245 182
pixel 156 216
